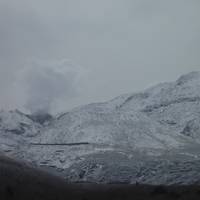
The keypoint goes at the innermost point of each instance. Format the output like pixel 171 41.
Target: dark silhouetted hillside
pixel 22 182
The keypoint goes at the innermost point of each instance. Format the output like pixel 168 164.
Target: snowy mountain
pixel 15 129
pixel 147 137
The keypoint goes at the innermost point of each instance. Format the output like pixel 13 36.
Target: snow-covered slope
pixel 18 123
pixel 15 129
pixel 162 120
pixel 159 117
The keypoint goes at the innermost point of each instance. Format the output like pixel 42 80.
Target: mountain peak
pixel 190 77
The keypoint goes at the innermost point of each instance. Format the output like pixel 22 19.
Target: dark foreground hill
pixel 20 181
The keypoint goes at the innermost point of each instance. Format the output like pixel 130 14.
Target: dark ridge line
pixel 136 95
pixel 60 144
pixel 151 108
pixel 62 115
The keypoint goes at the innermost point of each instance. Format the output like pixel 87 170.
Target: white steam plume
pixel 46 83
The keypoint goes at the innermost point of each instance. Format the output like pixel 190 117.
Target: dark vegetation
pixel 20 181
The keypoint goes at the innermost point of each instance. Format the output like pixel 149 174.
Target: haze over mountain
pixel 148 137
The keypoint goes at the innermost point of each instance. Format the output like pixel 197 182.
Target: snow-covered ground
pixel 162 122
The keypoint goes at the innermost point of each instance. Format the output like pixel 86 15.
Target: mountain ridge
pixel 161 122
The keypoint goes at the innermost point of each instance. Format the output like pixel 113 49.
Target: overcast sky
pixel 113 46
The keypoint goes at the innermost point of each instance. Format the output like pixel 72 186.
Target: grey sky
pixel 123 45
